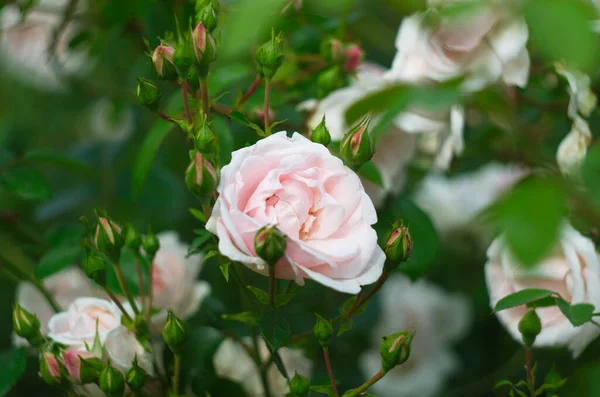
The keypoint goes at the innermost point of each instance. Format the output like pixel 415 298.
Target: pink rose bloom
pixel 317 202
pixel 79 324
pixel 572 270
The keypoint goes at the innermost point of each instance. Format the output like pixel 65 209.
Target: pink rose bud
pixel 49 368
pixel 162 58
pixel 398 245
pixel 204 48
pixel 82 366
pixel 201 176
pixel 332 50
pixel 356 146
pixel 260 115
pixel 108 238
pixel 354 57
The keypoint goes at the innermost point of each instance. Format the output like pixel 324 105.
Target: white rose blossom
pixel 439 319
pixel 232 362
pixel 572 270
pixel 122 348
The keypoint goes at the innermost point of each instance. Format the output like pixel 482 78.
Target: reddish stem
pixel 250 91
pixel 330 372
pixel 186 104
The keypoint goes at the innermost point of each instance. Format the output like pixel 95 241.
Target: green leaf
pixel 260 295
pixel 225 270
pixel 146 155
pixel 57 158
pixel 26 183
pixel 12 367
pixel 345 326
pixel 239 117
pixel 502 383
pixel 370 172
pixel 577 314
pixel 323 389
pixel 196 245
pixel 198 215
pixel 56 260
pixel 128 266
pixel 68 234
pixel 560 30
pixel 275 330
pixel 197 358
pixel 522 297
pixel 249 318
pixel 530 217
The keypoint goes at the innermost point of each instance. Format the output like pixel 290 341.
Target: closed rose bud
pixel 323 331
pixel 162 58
pixel 206 139
pixel 354 57
pixel 332 50
pixel 193 80
pixel 397 246
pixel 148 94
pixel 299 385
pixel 208 15
pixel 330 80
pixel 356 147
pixel 201 176
pixel 184 55
pixel 214 4
pixel 132 237
pixel 530 327
pixel 572 150
pixel 50 369
pixel 136 377
pixel 111 381
pixel 83 366
pixel 108 238
pixel 321 134
pixel 94 267
pixel 150 243
pixel 174 332
pixel 259 115
pixel 270 244
pixel 27 325
pixel 269 56
pixel 205 49
pixel 395 349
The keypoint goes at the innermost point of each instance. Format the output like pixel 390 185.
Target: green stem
pixel 114 298
pixel 529 370
pixel 205 104
pixel 176 374
pixel 374 379
pixel 123 285
pixel 262 369
pixel 266 108
pixel 272 286
pixel 330 372
pixel 138 268
pixel 150 289
pixel 186 104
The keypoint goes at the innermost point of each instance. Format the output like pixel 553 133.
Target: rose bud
pixel 332 50
pixel 111 381
pixel 174 332
pixel 321 134
pixel 205 49
pixel 299 385
pixel 162 58
pixel 150 243
pixel 269 244
pixel 83 366
pixel 354 57
pixel 259 115
pixel 50 369
pixel 200 176
pixel 530 327
pixel 269 56
pixel 356 147
pixel 206 139
pixel 395 349
pixel 148 94
pixel 184 56
pixel 136 377
pixel 108 238
pixel 27 325
pixel 193 80
pixel 207 13
pixel 553 381
pixel 330 80
pixel 214 4
pixel 397 246
pixel 132 238
pixel 323 331
pixel 94 267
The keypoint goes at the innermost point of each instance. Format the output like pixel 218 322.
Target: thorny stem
pixel 186 103
pixel 266 108
pixel 205 104
pixel 330 372
pixel 374 379
pixel 529 370
pixel 124 288
pixel 164 116
pixel 250 91
pixel 118 303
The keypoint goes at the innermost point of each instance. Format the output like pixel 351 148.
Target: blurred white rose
pixel 232 362
pixel 24 44
pixel 573 148
pixel 122 348
pixel 439 319
pixel 107 123
pixel 572 270
pixel 65 286
pixel 453 203
pixel 485 43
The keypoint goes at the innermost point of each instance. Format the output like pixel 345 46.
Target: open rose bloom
pixel 316 201
pixel 571 270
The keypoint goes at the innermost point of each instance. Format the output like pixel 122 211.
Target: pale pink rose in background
pixel 83 319
pixel 232 362
pixel 572 270
pixel 440 319
pixel 454 202
pixel 122 348
pixel 486 44
pixel 317 202
pixel 24 45
pixel 65 286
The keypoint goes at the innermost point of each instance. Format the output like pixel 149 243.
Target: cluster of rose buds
pixel 343 59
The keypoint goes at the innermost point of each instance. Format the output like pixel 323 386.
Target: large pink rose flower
pixel 317 202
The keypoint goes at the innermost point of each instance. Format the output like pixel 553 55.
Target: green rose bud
pixel 330 80
pixel 397 246
pixel 356 147
pixel 270 244
pixel 321 134
pixel 108 238
pixel 148 94
pixel 50 369
pixel 174 333
pixel 132 238
pixel 89 369
pixel 184 56
pixel 201 176
pixel 150 243
pixel 94 267
pixel 299 385
pixel 214 4
pixel 530 327
pixel 206 139
pixel 323 331
pixel 333 50
pixel 193 80
pixel 111 381
pixel 395 349
pixel 136 377
pixel 27 325
pixel 208 15
pixel 269 56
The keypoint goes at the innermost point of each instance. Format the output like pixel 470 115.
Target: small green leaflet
pixel 521 298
